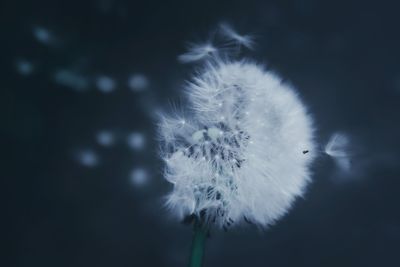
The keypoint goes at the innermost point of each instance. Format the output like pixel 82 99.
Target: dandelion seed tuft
pixel 338 149
pixel 239 155
pixel 198 52
pixel 232 35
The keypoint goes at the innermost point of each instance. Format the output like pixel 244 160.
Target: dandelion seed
pixel 42 35
pixel 338 149
pixel 24 67
pixel 243 40
pixel 88 158
pixel 337 145
pixel 138 82
pixel 71 80
pixel 105 138
pixel 105 84
pixel 139 177
pixel 136 141
pixel 197 52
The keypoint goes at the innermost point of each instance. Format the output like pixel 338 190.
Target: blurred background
pixel 82 80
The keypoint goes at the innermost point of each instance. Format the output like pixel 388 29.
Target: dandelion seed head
pixel 225 166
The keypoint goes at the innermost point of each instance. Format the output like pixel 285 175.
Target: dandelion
pixel 242 154
pixel 242 150
pixel 224 163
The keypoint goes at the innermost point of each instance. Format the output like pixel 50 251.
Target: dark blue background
pixel 343 56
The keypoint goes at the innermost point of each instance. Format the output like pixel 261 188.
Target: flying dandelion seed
pixel 71 80
pixel 105 138
pixel 139 177
pixel 88 158
pixel 243 40
pixel 24 67
pixel 198 52
pixel 42 35
pixel 136 141
pixel 338 149
pixel 105 84
pixel 138 82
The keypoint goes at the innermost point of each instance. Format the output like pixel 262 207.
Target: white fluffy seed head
pixel 244 150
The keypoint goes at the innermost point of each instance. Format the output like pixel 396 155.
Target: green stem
pixel 198 243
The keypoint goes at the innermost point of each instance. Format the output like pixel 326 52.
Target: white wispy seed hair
pixel 197 52
pixel 232 40
pixel 243 150
pixel 241 39
pixel 338 149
